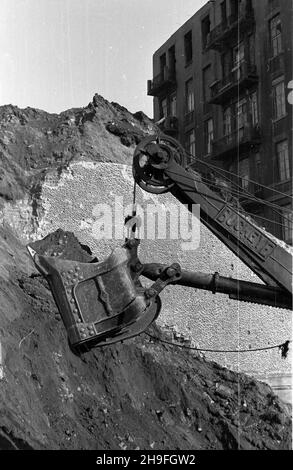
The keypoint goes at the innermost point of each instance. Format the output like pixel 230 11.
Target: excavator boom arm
pixel 162 165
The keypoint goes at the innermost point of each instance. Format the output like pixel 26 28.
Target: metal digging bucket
pixel 101 303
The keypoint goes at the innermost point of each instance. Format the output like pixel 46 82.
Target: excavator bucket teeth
pixel 100 303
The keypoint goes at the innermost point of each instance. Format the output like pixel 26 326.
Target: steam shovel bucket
pixel 100 303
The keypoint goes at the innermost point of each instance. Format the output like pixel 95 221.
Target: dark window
pixel 254 108
pixel 209 135
pixel 257 172
pixel 172 60
pixel 238 54
pixel 224 12
pixel 283 160
pixel 287 224
pixel 244 174
pixel 207 80
pixel 274 4
pixel 251 46
pixel 234 8
pixel 258 169
pixel 173 105
pixel 279 100
pixel 162 64
pixel 249 6
pixel 188 47
pixel 241 117
pixel 227 61
pixel 227 122
pixel 189 95
pixel 163 108
pixel 190 144
pixel 205 29
pixel 276 35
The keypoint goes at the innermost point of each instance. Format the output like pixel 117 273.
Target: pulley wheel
pixel 150 160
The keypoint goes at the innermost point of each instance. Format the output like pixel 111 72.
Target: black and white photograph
pixel 146 235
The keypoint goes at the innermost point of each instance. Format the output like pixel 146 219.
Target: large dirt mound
pixel 136 395
pixel 32 141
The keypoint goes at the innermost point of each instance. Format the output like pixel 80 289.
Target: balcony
pixel 239 79
pixel 170 126
pixel 239 140
pixel 162 82
pixel 221 36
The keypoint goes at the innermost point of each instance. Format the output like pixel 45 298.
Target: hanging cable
pixel 245 193
pixel 220 171
pixel 196 159
pixel 251 197
pixel 283 347
pixel 244 212
pixel 242 192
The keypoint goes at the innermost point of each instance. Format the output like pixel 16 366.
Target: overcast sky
pixel 55 54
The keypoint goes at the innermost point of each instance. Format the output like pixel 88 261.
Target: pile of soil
pixel 141 394
pixel 33 142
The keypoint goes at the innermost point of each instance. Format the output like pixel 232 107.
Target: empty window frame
pixel 207 80
pixel 234 8
pixel 274 4
pixel 172 60
pixel 251 49
pixel 190 143
pixel 244 174
pixel 287 224
pixel 209 135
pixel 224 12
pixel 205 30
pixel 238 54
pixel 163 63
pixel 227 121
pixel 173 105
pixel 227 61
pixel 188 47
pixel 241 116
pixel 254 108
pixel 189 96
pixel 258 170
pixel 276 35
pixel 163 108
pixel 279 99
pixel 283 160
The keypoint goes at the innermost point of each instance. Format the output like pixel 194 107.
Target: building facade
pixel 223 82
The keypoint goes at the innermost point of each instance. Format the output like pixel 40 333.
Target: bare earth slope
pixel 139 394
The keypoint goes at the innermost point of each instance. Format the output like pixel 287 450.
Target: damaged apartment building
pixel 223 83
